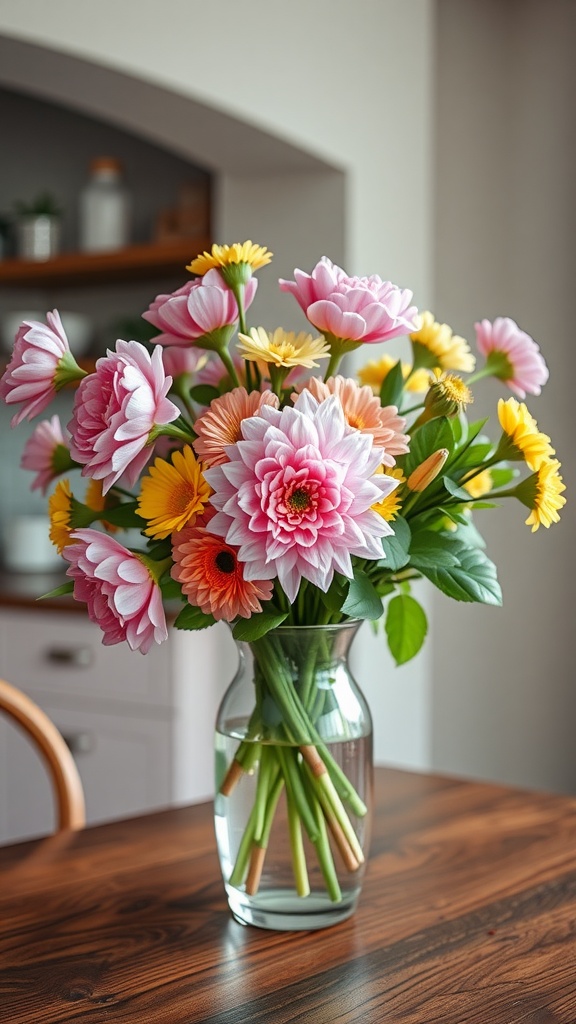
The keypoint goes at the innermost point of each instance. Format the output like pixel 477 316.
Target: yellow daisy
pixel 389 507
pixel 283 348
pixel 522 438
pixel 252 255
pixel 447 396
pixel 547 497
pixel 96 500
pixel 173 494
pixel 479 484
pixel 374 374
pixel 435 345
pixel 60 510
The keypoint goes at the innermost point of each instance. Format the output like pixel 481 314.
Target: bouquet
pixel 271 487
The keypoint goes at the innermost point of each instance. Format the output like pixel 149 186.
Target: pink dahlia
pixel 116 409
pixel 512 355
pixel 41 363
pixel 202 306
pixel 362 410
pixel 46 453
pixel 296 495
pixel 357 309
pixel 122 595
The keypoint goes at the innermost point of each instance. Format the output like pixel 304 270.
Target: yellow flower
pixel 374 374
pixel 479 484
pixel 523 439
pixel 447 396
pixel 389 507
pixel 173 494
pixel 283 348
pixel 436 345
pixel 98 501
pixel 60 510
pixel 547 497
pixel 252 255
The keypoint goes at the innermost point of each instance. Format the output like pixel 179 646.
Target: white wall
pixel 339 95
pixel 504 699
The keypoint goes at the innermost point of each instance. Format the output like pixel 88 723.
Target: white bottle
pixel 104 208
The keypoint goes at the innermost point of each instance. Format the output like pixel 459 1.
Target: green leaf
pixel 193 618
pixel 64 588
pixel 204 393
pixel 455 490
pixel 456 517
pixel 427 439
pixel 362 601
pixel 474 579
pixel 335 596
pixel 396 546
pixel 431 550
pixel 502 475
pixel 125 516
pixel 256 626
pixel 406 627
pixel 171 590
pixel 392 386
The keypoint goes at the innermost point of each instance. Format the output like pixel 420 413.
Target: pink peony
pixel 30 376
pixel 180 361
pixel 296 495
pixel 115 410
pixel 201 306
pixel 357 309
pixel 512 355
pixel 121 595
pixel 43 450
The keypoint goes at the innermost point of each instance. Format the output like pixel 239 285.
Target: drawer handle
pixel 76 657
pixel 79 742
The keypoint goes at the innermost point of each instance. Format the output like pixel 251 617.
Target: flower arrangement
pixel 270 487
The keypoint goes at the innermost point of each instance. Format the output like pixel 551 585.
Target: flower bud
pixel 427 471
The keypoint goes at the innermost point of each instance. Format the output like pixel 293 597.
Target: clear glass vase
pixel 293 799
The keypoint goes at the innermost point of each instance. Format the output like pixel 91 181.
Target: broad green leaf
pixel 406 627
pixel 171 590
pixel 392 386
pixel 431 550
pixel 456 517
pixel 203 393
pixel 256 626
pixel 474 455
pixel 362 601
pixel 474 579
pixel 396 547
pixel 426 440
pixel 334 597
pixel 502 475
pixel 193 618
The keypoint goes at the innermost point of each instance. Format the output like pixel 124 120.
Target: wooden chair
pixel 67 785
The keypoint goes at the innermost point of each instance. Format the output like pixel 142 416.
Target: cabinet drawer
pixel 60 653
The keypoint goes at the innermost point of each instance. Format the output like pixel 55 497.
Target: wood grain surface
pixel 468 916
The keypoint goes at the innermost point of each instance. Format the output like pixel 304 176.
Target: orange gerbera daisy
pixel 212 577
pixel 220 425
pixel 363 411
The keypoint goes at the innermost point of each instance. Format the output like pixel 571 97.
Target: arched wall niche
pixel 264 187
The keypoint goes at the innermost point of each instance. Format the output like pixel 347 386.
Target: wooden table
pixel 468 915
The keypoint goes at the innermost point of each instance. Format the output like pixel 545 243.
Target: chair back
pixel 66 782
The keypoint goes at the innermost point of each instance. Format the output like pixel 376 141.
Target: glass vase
pixel 293 798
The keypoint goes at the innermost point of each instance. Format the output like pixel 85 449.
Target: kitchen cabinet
pixel 140 728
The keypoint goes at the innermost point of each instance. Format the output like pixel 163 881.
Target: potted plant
pixel 38 225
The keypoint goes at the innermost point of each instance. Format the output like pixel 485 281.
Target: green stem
pixel 297 847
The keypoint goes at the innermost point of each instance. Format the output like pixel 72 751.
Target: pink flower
pixel 512 355
pixel 31 374
pixel 115 410
pixel 201 306
pixel 122 596
pixel 46 453
pixel 296 495
pixel 358 309
pixel 180 362
pixel 363 411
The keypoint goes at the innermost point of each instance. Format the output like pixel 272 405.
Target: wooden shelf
pixel 132 263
